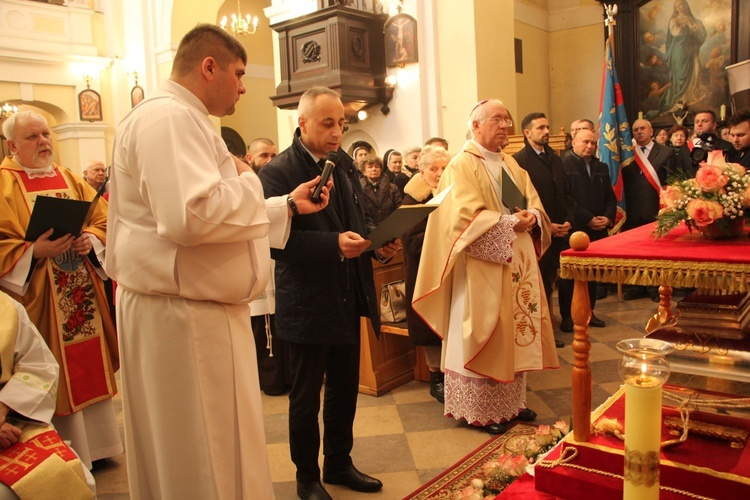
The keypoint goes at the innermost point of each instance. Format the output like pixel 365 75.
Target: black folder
pixel 64 215
pixel 512 196
pixel 400 221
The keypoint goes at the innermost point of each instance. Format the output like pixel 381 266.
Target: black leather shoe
pixel 526 415
pixel 352 479
pixel 312 491
pixel 656 298
pixel 566 325
pixel 596 322
pixel 559 344
pixel 437 387
pixel 496 429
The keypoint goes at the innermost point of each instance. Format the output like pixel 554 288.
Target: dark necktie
pixel 643 149
pixel 588 168
pixel 543 156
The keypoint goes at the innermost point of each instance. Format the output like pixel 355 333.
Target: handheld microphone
pixel 332 159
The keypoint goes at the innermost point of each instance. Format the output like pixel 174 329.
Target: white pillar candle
pixel 642 437
pixel 723 112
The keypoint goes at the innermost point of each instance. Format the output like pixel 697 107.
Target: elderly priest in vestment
pixel 59 282
pixel 479 286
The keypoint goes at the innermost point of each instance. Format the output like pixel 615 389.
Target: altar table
pixel 679 259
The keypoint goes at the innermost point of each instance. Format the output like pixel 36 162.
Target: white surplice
pixel 189 248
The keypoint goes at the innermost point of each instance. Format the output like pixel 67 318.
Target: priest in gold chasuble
pixel 479 286
pixel 59 282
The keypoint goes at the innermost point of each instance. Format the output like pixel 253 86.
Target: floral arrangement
pixel 719 194
pixel 499 472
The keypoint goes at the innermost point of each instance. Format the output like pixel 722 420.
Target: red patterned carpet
pixel 460 474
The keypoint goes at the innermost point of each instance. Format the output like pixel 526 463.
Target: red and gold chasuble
pixel 65 298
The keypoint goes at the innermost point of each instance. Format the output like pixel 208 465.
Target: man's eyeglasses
pixel 498 120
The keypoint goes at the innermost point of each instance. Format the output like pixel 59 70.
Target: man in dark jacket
pixel 739 131
pixel 546 172
pixel 324 284
pixel 596 207
pixel 642 180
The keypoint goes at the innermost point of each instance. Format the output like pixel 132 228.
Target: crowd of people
pixel 192 234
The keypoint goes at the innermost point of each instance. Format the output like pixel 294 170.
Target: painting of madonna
pixel 683 55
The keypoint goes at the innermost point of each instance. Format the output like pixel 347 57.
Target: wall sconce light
pixel 362 115
pixel 7 110
pixel 391 80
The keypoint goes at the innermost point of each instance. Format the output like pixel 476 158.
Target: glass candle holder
pixel 644 369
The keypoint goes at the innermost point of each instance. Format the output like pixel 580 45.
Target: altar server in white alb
pixel 189 248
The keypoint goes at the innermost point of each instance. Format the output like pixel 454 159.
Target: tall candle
pixel 642 437
pixel 723 111
pixel 640 115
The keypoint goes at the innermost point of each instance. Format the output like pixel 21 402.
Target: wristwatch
pixel 292 205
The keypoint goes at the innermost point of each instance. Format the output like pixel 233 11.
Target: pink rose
pixel 711 178
pixel 544 435
pixel 670 196
pixel 490 468
pixel 517 466
pixel 704 212
pixel 468 493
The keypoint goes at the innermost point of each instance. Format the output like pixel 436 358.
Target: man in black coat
pixel 642 180
pixel 324 284
pixel 546 173
pixel 739 131
pixel 596 207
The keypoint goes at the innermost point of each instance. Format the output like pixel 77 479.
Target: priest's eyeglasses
pixel 499 120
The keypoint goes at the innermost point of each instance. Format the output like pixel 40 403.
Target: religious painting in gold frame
pixel 90 105
pixel 684 47
pixel 136 95
pixel 400 40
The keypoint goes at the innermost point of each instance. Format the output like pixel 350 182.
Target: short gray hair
pixel 308 98
pixel 91 163
pixel 413 149
pixel 479 113
pixel 9 126
pixel 431 154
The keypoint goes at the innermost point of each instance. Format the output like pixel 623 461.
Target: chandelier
pixel 240 26
pixel 6 110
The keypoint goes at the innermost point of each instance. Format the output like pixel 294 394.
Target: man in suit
pixel 642 181
pixel 595 208
pixel 324 284
pixel 546 172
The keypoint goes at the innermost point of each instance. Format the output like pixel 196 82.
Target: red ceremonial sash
pixel 646 172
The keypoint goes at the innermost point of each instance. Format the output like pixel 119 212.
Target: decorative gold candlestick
pixel 644 368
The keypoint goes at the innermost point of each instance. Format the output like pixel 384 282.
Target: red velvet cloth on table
pixel 679 245
pixel 701 465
